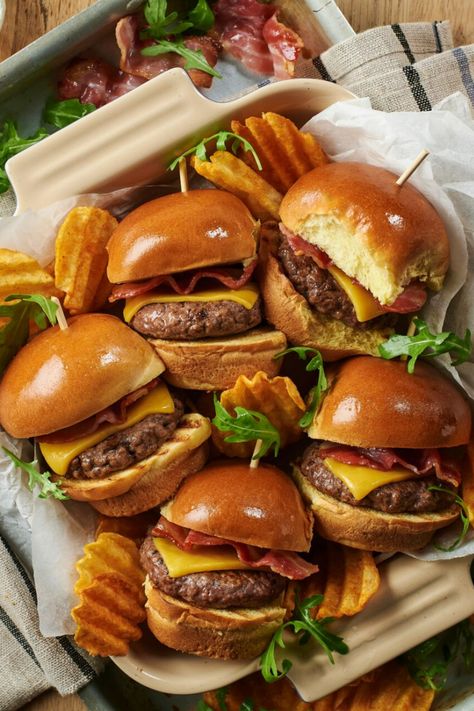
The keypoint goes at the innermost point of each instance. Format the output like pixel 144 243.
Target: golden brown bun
pixel 179 232
pixel 368 529
pixel 151 481
pixel 261 507
pixel 376 403
pixel 62 377
pixel 288 311
pixel 382 234
pixel 216 363
pixel 239 633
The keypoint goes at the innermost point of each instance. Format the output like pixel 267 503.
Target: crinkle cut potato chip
pixel 81 258
pixel 110 553
pixel 230 173
pixel 285 152
pixel 347 578
pixel 277 398
pixel 388 688
pixel 21 274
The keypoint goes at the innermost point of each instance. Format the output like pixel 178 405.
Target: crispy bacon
pixel 425 460
pixel 114 414
pixel 185 283
pixel 127 33
pixel 298 244
pixel 252 33
pixel 93 81
pixel 411 299
pixel 285 563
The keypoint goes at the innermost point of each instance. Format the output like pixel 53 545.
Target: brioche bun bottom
pixel 239 633
pixel 369 529
pixel 151 481
pixel 216 363
pixel 288 311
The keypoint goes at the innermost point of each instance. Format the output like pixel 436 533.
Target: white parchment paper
pixel 52 534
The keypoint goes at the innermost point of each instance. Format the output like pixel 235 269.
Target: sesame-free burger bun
pixel 376 403
pixel 260 507
pixel 181 231
pixel 62 377
pixel 382 234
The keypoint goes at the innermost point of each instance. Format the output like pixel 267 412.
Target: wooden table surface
pixel 22 27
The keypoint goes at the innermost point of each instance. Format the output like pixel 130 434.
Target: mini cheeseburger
pixel 384 438
pixel 184 264
pixel 221 557
pixel 107 428
pixel 353 252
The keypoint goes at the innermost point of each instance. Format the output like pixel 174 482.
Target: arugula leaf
pixel 427 344
pixel 195 58
pixel 310 628
pixel 63 113
pixel 220 696
pixel 247 426
pixel 221 139
pixel 202 706
pixel 464 516
pixel 428 663
pixel 316 393
pixel 48 488
pixel 201 16
pixel 162 25
pixel 12 143
pixel 15 333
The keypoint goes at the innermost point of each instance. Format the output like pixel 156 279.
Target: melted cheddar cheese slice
pixel 365 305
pixel 246 296
pixel 362 480
pixel 201 559
pixel 59 456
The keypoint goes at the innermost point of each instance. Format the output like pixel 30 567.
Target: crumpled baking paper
pixel 348 131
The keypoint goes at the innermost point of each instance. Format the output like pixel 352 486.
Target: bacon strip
pixel 285 563
pixel 186 283
pixel 284 45
pixel 93 81
pixel 384 458
pixel 298 244
pixel 114 414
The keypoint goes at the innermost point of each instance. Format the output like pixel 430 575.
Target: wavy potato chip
pixel 278 398
pixel 347 578
pixel 110 553
pixel 21 274
pixel 81 258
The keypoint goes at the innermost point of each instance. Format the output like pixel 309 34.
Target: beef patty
pixel 410 496
pixel 322 291
pixel 221 589
pixel 189 320
pixel 125 448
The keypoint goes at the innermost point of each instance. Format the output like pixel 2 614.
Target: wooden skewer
pixel 411 168
pixel 255 462
pixel 62 322
pixel 183 175
pixel 410 332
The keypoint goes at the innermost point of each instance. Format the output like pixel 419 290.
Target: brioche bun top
pixel 261 507
pixel 382 234
pixel 376 403
pixel 181 231
pixel 62 377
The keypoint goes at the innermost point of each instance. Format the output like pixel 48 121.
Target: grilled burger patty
pixel 220 589
pixel 125 448
pixel 321 290
pixel 190 320
pixel 410 496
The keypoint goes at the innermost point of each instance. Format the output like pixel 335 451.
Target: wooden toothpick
pixel 410 332
pixel 254 462
pixel 411 168
pixel 183 175
pixel 62 322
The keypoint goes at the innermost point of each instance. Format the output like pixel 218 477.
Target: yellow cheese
pixel 201 559
pixel 59 456
pixel 246 296
pixel 365 305
pixel 362 480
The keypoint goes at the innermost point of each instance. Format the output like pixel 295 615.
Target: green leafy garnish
pixel 428 663
pixel 247 426
pixel 201 16
pixel 221 139
pixel 302 624
pixel 195 58
pixel 202 706
pixel 316 393
pixel 12 143
pixel 427 344
pixel 48 488
pixel 63 113
pixel 464 516
pixel 15 333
